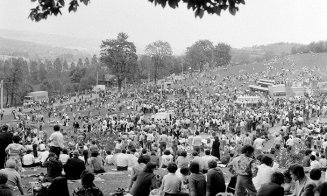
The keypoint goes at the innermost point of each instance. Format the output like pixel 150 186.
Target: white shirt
pixel 57 139
pixel 43 156
pixel 166 159
pixel 314 164
pixel 263 176
pixel 63 158
pixel 121 160
pixel 28 159
pixel 109 160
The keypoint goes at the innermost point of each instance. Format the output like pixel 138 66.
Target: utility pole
pixel 97 77
pixel 1 95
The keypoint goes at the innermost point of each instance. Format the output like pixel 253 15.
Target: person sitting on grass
pixel 74 167
pixel 5 190
pixel 54 167
pixel 96 163
pixel 13 177
pixel 88 187
pixel 28 159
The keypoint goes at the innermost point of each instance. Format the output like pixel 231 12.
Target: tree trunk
pixel 119 82
pixel 155 71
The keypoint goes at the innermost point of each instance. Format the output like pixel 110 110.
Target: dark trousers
pixel 55 150
pixel 244 185
pixel 122 168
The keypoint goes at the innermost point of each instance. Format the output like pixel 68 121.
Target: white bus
pixel 258 88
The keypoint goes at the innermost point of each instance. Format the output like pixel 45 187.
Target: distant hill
pixel 31 50
pixel 261 52
pixel 85 44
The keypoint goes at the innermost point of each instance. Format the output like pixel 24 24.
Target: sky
pixel 258 22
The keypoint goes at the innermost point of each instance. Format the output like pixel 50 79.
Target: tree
pixel 57 65
pixel 222 54
pixel 158 51
pixel 87 82
pixel 80 63
pixel 87 62
pixel 119 55
pixel 94 61
pixel 14 79
pixel 47 8
pixel 48 65
pixel 42 72
pixel 72 66
pixel 199 54
pixel 144 67
pixel 77 74
pixel 34 72
pixel 65 65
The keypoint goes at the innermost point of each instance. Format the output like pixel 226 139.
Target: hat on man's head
pixel 75 152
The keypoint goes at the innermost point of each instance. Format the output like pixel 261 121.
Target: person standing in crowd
pixel 243 166
pixel 15 151
pixel 166 159
pixel 56 141
pixel 5 140
pixel 273 188
pixel 197 181
pixel 74 167
pixel 163 140
pixel 215 180
pixel 171 183
pixel 197 142
pixel 215 151
pixel 182 160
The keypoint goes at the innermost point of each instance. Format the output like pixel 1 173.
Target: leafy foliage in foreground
pixel 47 8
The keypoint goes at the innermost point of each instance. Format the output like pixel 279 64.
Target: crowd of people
pixel 275 147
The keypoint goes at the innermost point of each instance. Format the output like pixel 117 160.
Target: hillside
pixel 258 53
pixel 12 47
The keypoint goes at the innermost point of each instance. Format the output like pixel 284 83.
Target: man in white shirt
pixel 109 158
pixel 149 139
pixel 121 161
pixel 56 140
pixel 63 157
pixel 28 159
pixel 204 165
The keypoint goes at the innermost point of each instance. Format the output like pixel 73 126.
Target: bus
pixel 265 83
pixel 258 88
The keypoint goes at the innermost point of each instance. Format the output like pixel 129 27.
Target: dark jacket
pixel 197 184
pixel 74 168
pixel 6 191
pixel 5 140
pixel 54 167
pixel 215 182
pixel 215 149
pixel 143 184
pixel 271 189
